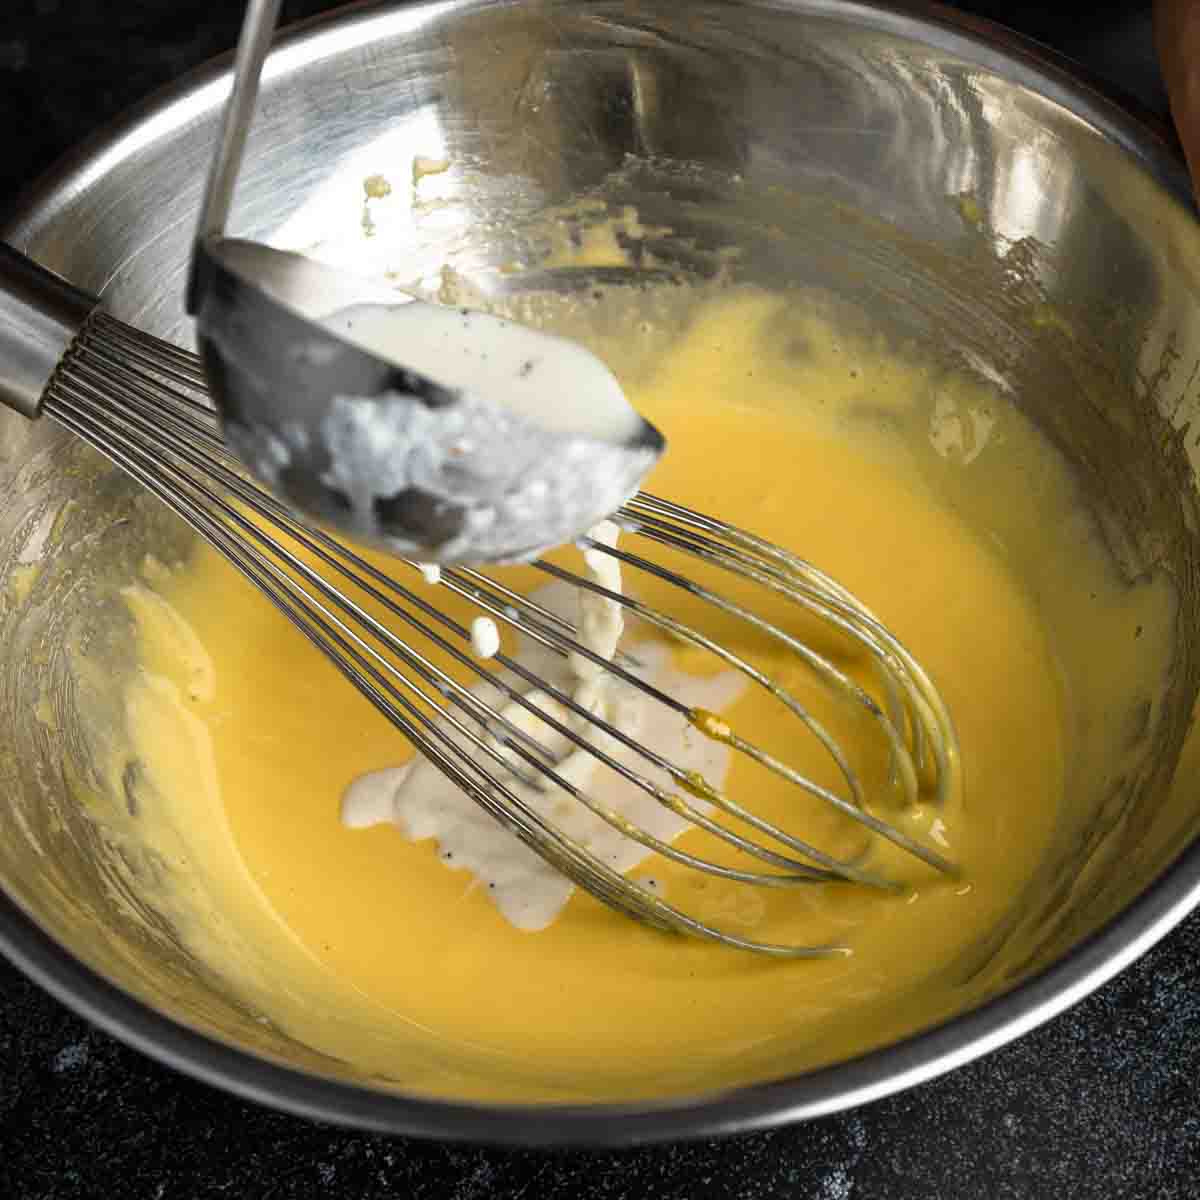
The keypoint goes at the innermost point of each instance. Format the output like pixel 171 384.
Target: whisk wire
pixel 269 578
pixel 418 726
pixel 142 404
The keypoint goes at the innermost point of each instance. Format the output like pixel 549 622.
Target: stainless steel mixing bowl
pixel 957 185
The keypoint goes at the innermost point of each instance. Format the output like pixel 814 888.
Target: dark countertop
pixel 1102 1102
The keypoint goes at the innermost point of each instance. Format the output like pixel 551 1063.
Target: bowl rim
pixel 871 1076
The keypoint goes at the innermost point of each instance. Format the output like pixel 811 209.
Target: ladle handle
pixel 40 316
pixel 258 27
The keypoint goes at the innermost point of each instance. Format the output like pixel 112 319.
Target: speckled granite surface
pixel 1103 1102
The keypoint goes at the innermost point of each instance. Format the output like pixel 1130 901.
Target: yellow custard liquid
pixel 369 949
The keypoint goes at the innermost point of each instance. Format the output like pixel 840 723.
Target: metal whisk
pixel 142 403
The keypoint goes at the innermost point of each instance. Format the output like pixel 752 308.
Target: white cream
pixel 485 637
pixel 423 804
pixel 601 620
pixel 431 571
pixel 556 383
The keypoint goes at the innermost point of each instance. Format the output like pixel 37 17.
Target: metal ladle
pixel 523 456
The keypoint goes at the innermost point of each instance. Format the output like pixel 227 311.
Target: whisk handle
pixel 40 316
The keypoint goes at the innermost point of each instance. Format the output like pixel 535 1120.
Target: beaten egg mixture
pixel 374 949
